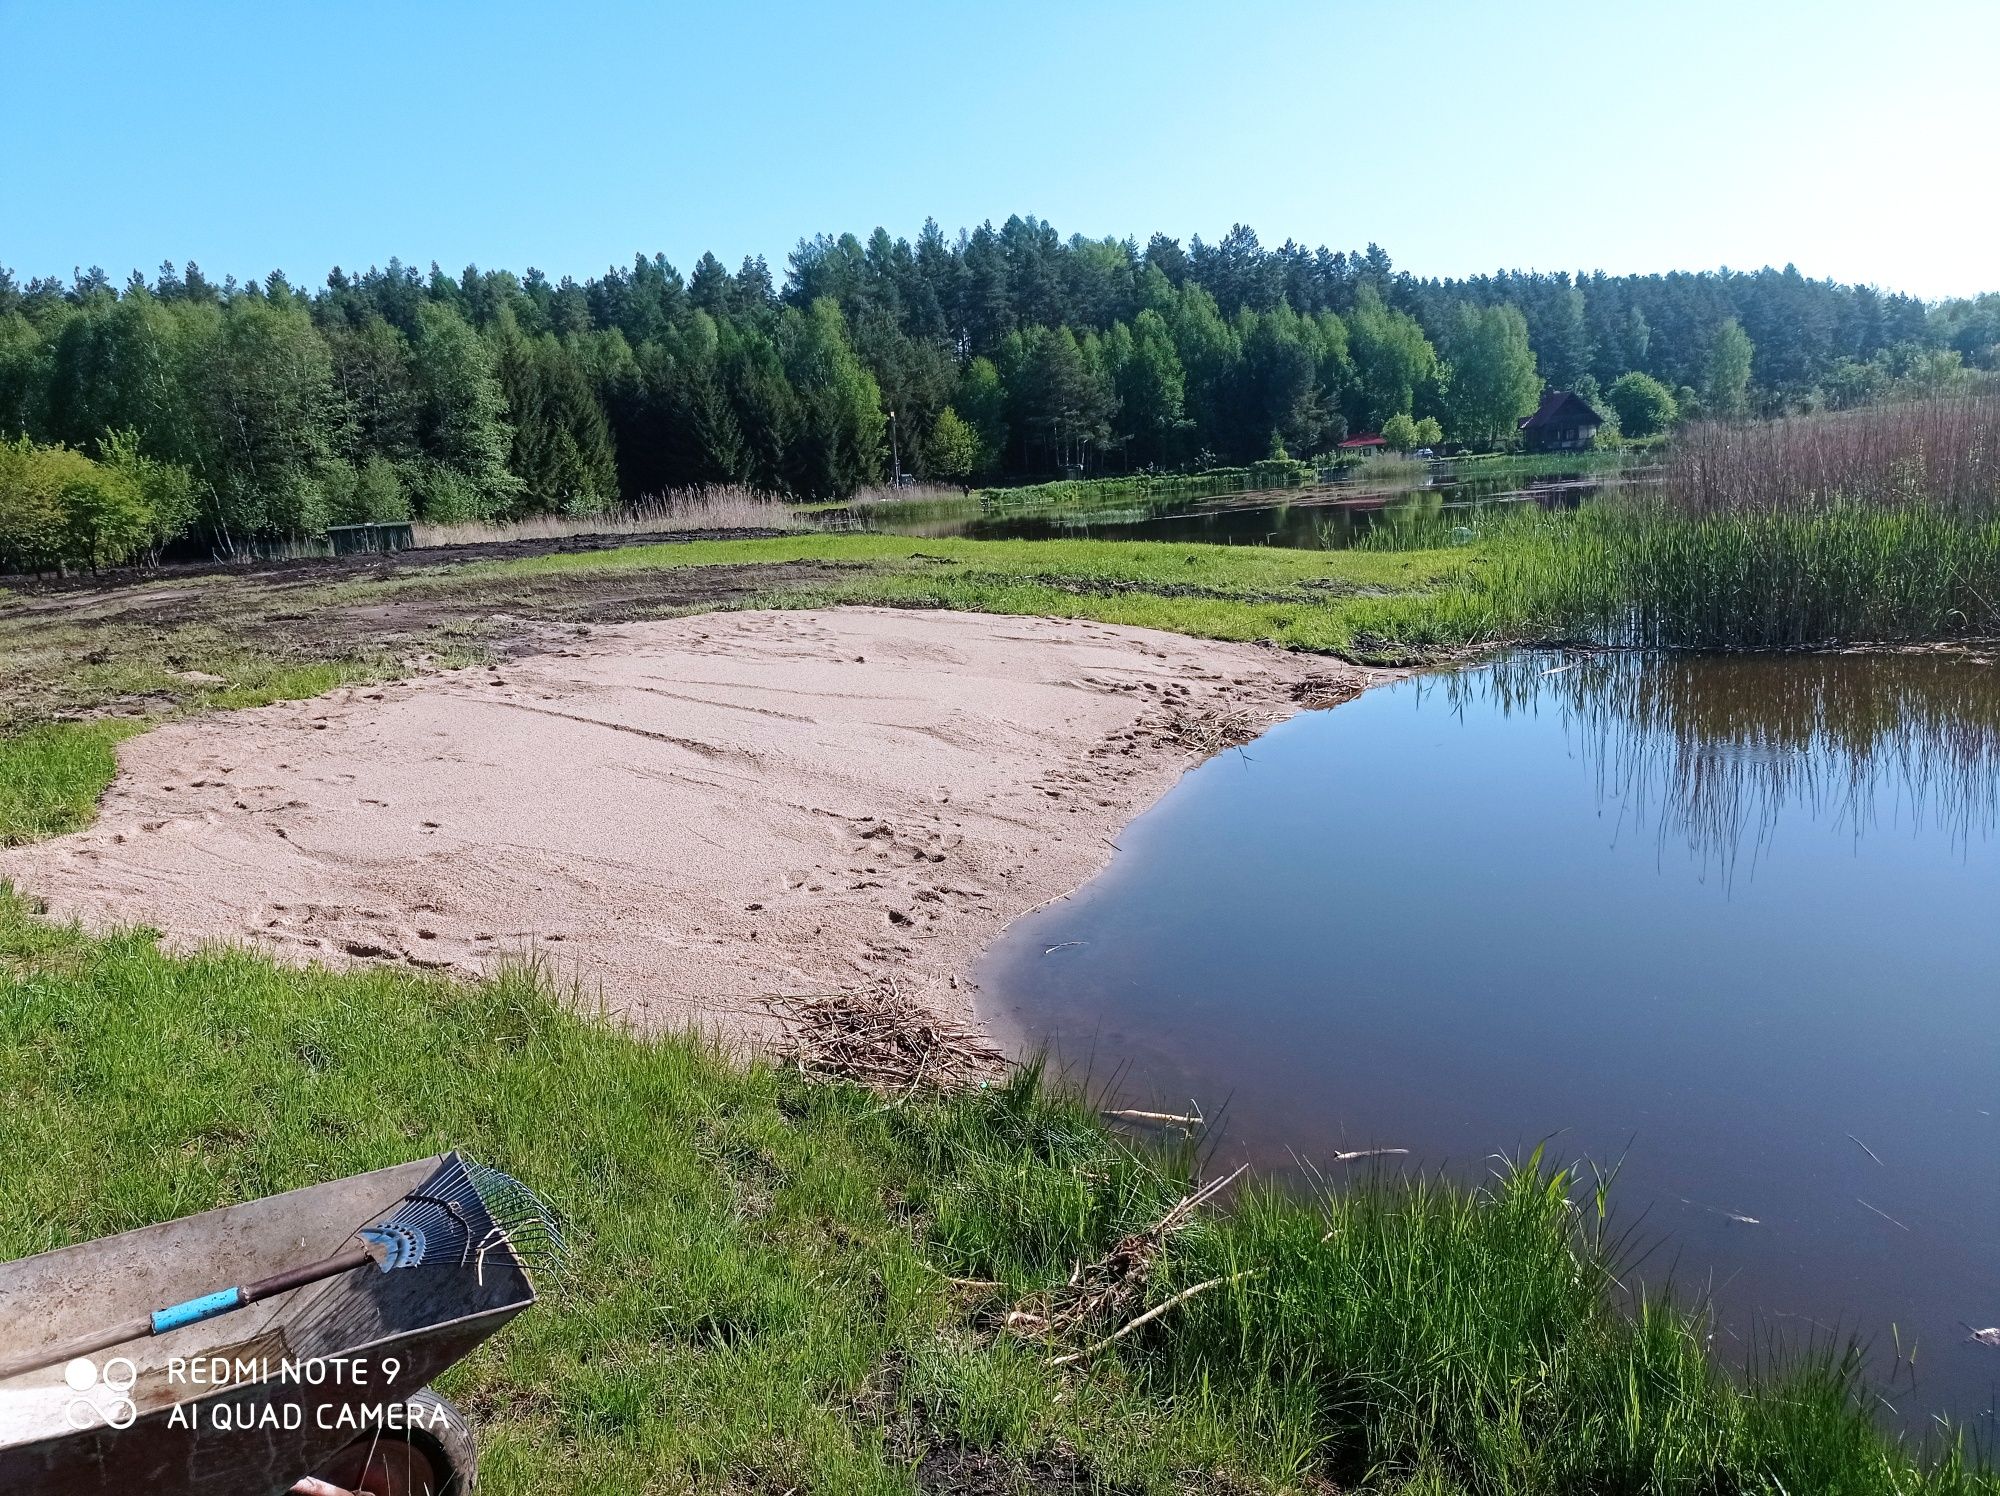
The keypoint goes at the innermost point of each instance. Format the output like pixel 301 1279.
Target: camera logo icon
pixel 101 1393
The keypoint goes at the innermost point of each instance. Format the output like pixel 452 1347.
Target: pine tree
pixel 561 449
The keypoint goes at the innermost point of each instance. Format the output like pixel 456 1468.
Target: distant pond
pixel 1329 516
pixel 1735 922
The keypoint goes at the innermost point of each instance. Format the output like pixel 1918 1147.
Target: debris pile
pixel 881 1039
pixel 1102 1292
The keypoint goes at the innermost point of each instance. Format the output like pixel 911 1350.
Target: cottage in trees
pixel 1563 422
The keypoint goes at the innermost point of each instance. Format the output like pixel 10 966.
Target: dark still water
pixel 1736 922
pixel 1327 516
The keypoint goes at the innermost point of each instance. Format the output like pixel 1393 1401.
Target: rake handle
pixel 190 1312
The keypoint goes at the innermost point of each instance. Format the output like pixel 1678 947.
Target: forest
pixel 185 414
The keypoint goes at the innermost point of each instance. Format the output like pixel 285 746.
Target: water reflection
pixel 1712 752
pixel 1328 516
pixel 1732 921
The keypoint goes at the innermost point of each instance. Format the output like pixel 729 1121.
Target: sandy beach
pixel 697 819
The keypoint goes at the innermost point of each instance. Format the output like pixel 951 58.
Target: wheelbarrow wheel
pixel 433 1454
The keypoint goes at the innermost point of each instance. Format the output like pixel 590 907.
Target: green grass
pixel 1643 573
pixel 761 1299
pixel 1366 603
pixel 1533 464
pixel 51 776
pixel 53 773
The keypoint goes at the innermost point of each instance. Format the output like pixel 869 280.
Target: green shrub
pixel 60 511
pixel 1645 407
pixel 167 488
pixel 446 496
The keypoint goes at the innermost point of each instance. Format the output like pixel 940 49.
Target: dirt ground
pixel 701 819
pixel 130 644
pixel 368 567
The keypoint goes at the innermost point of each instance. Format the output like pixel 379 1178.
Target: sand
pixel 696 819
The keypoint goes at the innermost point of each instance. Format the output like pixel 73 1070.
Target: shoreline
pixel 697 820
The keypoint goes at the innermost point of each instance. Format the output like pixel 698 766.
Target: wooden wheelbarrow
pixel 318 1389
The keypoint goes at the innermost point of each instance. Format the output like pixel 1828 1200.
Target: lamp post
pixel 895 454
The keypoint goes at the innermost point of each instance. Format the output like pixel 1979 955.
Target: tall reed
pixel 1869 526
pixel 727 508
pixel 1651 573
pixel 1929 452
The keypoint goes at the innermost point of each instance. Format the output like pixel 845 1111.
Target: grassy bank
pixel 51 777
pixel 1370 604
pixel 794 1284
pixel 1640 571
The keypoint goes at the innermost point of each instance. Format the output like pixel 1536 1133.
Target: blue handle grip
pixel 194 1311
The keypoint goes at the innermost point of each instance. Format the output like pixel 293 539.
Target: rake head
pixel 461 1213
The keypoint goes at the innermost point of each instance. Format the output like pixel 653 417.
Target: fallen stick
pixel 1175 1119
pixel 1342 1158
pixel 1882 1213
pixel 1151 1314
pixel 1863 1147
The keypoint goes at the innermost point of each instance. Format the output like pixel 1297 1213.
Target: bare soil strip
pixel 711 819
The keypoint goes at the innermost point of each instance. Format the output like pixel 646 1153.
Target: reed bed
pixel 1874 525
pixel 1877 526
pixel 1927 453
pixel 731 508
pixel 911 494
pixel 1650 574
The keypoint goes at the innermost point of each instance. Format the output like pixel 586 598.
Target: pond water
pixel 1735 922
pixel 1326 516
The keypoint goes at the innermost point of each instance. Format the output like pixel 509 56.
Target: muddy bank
pixel 697 818
pixel 363 566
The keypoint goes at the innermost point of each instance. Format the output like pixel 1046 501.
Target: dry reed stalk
pixel 730 508
pixel 1152 1314
pixel 1942 451
pixel 1206 731
pixel 1168 1119
pixel 1318 692
pixel 914 493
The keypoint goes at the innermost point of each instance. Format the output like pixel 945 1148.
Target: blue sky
pixel 1860 141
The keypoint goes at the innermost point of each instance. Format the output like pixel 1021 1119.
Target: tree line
pixel 264 410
